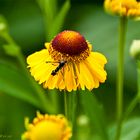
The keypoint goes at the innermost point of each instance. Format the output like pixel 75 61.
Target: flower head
pixel 128 8
pixel 68 63
pixel 48 127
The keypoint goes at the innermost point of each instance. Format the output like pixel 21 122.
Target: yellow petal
pixel 60 83
pixel 47 72
pixel 38 57
pixel 95 56
pixel 42 71
pixel 79 78
pixel 96 69
pixel 69 78
pixel 86 76
pixel 51 82
pixel 47 45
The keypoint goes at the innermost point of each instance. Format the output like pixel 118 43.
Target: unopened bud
pixel 3 25
pixel 83 120
pixel 135 49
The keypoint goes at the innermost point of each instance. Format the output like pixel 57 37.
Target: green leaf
pixel 48 8
pixel 9 83
pixel 13 111
pixel 130 130
pixel 11 49
pixel 59 19
pixel 95 112
pixel 53 22
pixel 14 83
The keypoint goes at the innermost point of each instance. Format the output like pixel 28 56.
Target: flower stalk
pixel 66 104
pixel 122 34
pixel 70 105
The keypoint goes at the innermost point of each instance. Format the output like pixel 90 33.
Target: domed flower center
pixel 69 42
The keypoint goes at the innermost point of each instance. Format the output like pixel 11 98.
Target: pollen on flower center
pixel 69 42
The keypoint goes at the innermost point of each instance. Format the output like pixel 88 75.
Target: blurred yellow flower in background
pixel 48 127
pixel 68 63
pixel 128 8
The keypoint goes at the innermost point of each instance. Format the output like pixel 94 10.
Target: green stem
pixel 122 32
pixel 131 106
pixel 8 38
pixel 66 104
pixel 54 96
pixel 70 105
pixel 21 60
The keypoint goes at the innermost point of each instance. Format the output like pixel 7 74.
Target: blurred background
pixel 29 31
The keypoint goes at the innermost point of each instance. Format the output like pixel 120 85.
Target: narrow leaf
pixel 9 83
pixel 14 83
pixel 59 19
pixel 95 112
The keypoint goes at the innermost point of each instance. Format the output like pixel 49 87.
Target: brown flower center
pixel 69 42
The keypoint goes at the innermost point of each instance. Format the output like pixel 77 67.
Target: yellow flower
pixel 128 8
pixel 68 63
pixel 48 127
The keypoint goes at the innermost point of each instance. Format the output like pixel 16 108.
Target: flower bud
pixel 3 25
pixel 135 49
pixel 123 8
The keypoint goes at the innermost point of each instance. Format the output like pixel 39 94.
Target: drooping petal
pixel 51 82
pixel 80 83
pixel 96 69
pixel 69 78
pixel 60 83
pixel 86 76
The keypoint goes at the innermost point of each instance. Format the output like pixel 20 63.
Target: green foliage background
pixel 19 98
